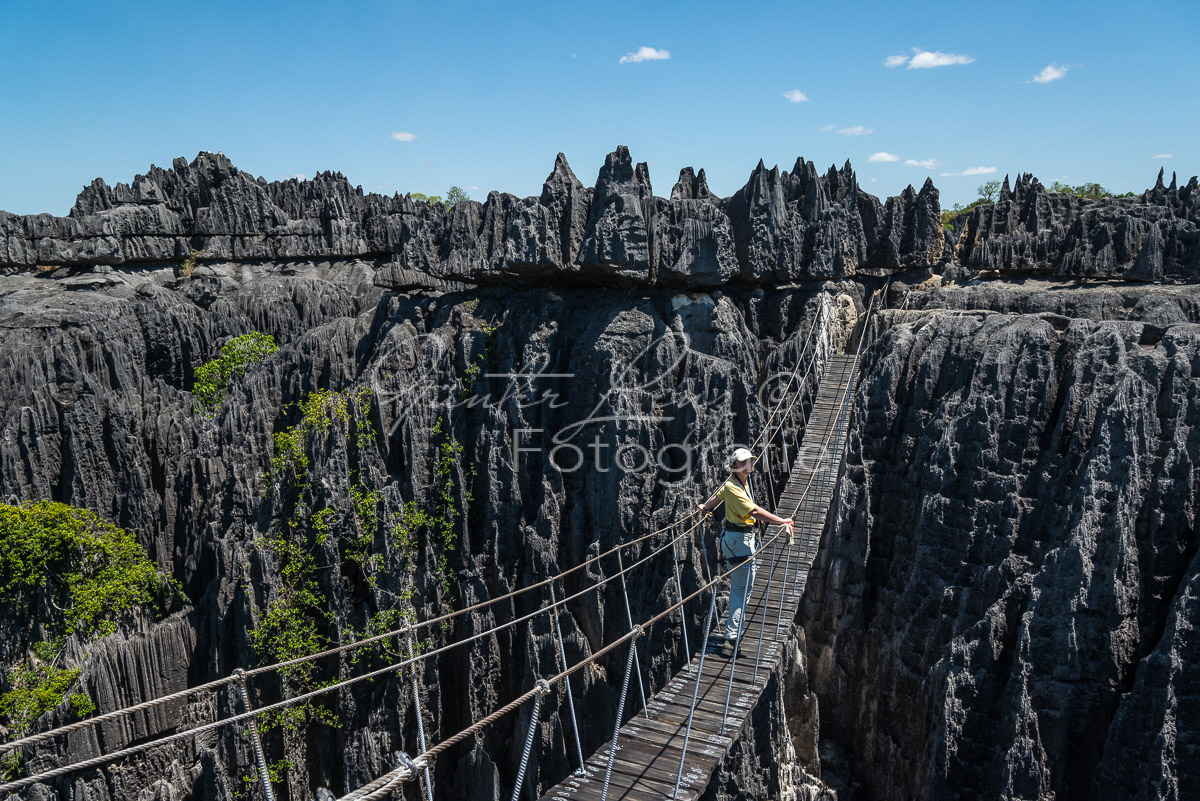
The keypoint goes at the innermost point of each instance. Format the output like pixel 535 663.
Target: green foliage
pixel 94 573
pixel 404 532
pixel 236 357
pixel 277 771
pixel 430 199
pixel 365 504
pixel 359 549
pixel 321 522
pixel 990 193
pixel 439 521
pixel 291 628
pixel 382 622
pixel 94 570
pixel 456 195
pixel 37 687
pixel 295 620
pixel 10 767
pixel 48 650
pixel 82 705
pixel 949 216
pixel 1090 191
pixel 36 690
pixel 470 377
pixel 318 411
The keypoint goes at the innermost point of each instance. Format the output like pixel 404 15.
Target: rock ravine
pixel 462 401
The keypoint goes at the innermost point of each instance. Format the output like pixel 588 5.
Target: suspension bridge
pixel 688 727
pixel 672 745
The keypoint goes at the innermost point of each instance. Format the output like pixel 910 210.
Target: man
pixel 737 542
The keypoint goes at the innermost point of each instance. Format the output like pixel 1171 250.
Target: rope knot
pixel 638 631
pixel 543 687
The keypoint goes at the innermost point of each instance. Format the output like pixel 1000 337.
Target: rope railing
pixel 825 470
pixel 100 760
pixel 479 725
pixel 216 684
pixel 24 782
pixel 392 779
pixel 378 790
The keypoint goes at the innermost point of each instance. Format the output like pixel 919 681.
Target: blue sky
pixel 487 94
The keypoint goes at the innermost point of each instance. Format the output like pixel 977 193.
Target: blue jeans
pixel 738 544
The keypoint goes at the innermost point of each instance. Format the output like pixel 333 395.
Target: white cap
pixel 739 455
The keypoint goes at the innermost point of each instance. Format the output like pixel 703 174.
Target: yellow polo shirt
pixel 738 502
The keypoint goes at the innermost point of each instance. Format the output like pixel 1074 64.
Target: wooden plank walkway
pixel 649 748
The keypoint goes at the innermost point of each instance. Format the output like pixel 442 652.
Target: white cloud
pixel 1051 73
pixel 973 171
pixel 829 128
pixel 1162 156
pixel 928 164
pixel 895 61
pixel 878 157
pixel 645 54
pixel 857 130
pixel 473 188
pixel 404 136
pixel 924 59
pixel 795 96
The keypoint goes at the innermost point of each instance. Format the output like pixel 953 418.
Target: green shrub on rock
pixel 93 570
pixel 236 357
pixel 35 690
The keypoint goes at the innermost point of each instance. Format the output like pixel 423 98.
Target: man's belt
pixel 736 527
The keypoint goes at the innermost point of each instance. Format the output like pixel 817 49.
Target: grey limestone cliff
pixel 1005 602
pixel 1005 607
pixel 1029 229
pixel 779 227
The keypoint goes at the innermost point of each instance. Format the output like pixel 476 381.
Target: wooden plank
pixel 671 736
pixel 638 761
pixel 710 707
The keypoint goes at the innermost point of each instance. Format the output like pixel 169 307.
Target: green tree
pixel 420 198
pixel 455 195
pixel 989 192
